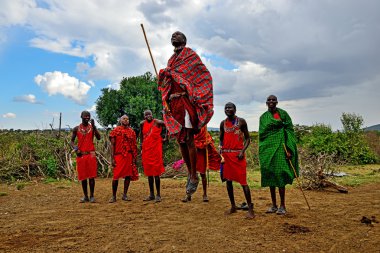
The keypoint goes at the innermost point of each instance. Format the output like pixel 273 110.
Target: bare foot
pixel 231 211
pixel 250 214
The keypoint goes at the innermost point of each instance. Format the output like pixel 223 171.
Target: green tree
pixel 135 95
pixel 352 123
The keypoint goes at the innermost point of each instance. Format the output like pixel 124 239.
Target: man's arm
pixel 72 143
pixel 96 132
pixel 247 139
pixel 73 137
pixel 141 134
pixel 221 134
pixel 113 142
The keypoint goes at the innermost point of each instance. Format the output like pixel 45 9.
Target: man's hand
pixel 113 162
pixel 288 155
pixel 92 122
pixel 241 155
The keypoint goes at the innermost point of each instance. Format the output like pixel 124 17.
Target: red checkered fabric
pixel 187 70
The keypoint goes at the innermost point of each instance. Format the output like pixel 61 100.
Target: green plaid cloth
pixel 275 168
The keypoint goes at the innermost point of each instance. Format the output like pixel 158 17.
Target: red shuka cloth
pixel 233 168
pixel 125 153
pixel 152 161
pixel 202 141
pixel 87 166
pixel 187 71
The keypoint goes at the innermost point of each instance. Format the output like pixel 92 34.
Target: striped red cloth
pixel 125 152
pixel 187 71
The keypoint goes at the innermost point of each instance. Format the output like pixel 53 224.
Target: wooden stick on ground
pixel 295 174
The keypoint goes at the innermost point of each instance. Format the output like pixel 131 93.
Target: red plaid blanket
pixel 188 71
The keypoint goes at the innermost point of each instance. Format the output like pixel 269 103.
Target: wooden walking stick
pixel 154 65
pixel 295 174
pixel 150 53
pixel 207 168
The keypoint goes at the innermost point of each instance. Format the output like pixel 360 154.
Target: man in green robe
pixel 277 149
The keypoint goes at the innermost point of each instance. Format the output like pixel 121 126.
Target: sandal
pixel 243 206
pixel 272 209
pixel 84 200
pixel 281 211
pixel 192 187
pixel 92 200
pixel 125 198
pixel 205 199
pixel 187 198
pixel 112 199
pixel 149 198
pixel 157 199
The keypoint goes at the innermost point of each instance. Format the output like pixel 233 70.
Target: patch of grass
pixel 50 180
pixel 359 175
pixel 20 186
pixel 3 194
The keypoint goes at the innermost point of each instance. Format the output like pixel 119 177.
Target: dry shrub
pixel 314 169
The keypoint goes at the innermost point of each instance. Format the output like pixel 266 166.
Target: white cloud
pixel 9 115
pixel 29 98
pixel 61 83
pixel 314 51
pixel 92 108
pixel 15 12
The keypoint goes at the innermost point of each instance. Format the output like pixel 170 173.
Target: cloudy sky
pixel 321 58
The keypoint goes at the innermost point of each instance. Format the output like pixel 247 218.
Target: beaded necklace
pixel 84 130
pixel 234 127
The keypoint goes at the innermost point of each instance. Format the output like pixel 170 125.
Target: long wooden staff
pixel 154 65
pixel 150 53
pixel 295 174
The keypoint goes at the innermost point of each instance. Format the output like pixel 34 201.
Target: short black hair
pixel 85 113
pixel 230 103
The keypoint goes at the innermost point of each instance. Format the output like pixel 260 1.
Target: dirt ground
pixel 48 218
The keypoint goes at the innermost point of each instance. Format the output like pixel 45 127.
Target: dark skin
pixel 230 111
pixel 272 107
pixel 188 149
pixel 115 183
pixel 148 116
pixel 86 118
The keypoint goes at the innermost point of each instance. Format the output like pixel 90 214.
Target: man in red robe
pixel 187 97
pixel 234 140
pixel 123 157
pixel 85 150
pixel 207 158
pixel 151 153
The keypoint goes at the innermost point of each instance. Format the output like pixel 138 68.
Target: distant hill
pixel 373 128
pixel 214 129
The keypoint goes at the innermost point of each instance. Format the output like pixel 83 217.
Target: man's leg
pixel 273 195
pixel 230 190
pixel 127 181
pixel 248 198
pixel 91 182
pixel 282 209
pixel 185 155
pixel 192 150
pixel 281 190
pixel 85 192
pixel 204 185
pixel 158 188
pixel 273 208
pixel 115 184
pixel 151 189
